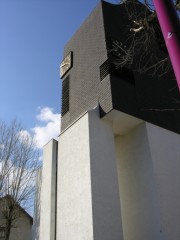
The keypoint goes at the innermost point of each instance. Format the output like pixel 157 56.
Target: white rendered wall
pixel 138 194
pixel 37 206
pixel 74 203
pixel 48 192
pixel 88 196
pixel 107 223
pixel 148 164
pixel 165 152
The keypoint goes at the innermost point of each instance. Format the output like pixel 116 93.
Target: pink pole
pixel 170 27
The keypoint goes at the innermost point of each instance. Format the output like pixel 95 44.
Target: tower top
pixel 97 70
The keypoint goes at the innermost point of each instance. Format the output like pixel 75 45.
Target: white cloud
pixel 48 128
pixel 24 136
pixel 2 146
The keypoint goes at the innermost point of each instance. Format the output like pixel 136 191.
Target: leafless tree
pixel 144 40
pixel 19 161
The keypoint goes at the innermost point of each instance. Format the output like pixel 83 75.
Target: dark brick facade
pixel 153 99
pixel 89 52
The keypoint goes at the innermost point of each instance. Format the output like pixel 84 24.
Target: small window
pixel 104 69
pixel 65 96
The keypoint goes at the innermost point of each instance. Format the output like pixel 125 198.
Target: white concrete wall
pixel 165 152
pixel 37 206
pixel 148 164
pixel 88 196
pixel 138 194
pixel 112 187
pixel 107 223
pixel 74 202
pixel 48 192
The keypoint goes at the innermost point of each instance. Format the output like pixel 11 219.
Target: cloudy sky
pixel 32 36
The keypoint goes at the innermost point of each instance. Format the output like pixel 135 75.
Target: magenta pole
pixel 170 27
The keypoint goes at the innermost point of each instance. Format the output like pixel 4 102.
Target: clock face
pixel 66 65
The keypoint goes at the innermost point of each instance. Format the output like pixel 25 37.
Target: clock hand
pixel 64 64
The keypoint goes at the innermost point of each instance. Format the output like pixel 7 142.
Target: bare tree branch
pixel 144 40
pixel 19 162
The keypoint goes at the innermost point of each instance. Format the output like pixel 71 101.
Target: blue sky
pixel 32 36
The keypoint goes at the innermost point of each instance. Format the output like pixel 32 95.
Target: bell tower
pixel 114 173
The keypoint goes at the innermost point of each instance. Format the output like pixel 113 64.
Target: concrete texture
pixel 104 180
pixel 137 186
pixel 74 202
pixel 88 194
pixel 148 164
pixel 114 183
pixel 165 152
pixel 37 206
pixel 48 192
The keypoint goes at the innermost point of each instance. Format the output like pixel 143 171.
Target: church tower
pixel 118 155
